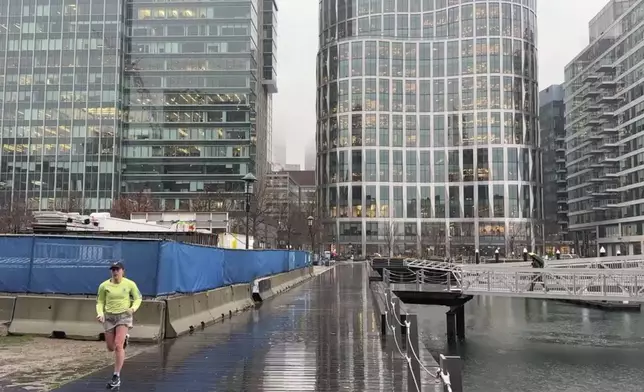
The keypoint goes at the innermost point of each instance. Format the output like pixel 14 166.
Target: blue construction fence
pixel 77 265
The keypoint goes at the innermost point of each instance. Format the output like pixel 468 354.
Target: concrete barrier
pixel 187 313
pixel 75 318
pixel 6 309
pixel 270 286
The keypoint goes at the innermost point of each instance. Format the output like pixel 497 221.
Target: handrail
pixel 441 375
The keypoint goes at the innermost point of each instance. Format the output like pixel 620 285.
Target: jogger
pixel 118 298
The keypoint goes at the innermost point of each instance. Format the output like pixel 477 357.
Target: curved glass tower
pixel 427 131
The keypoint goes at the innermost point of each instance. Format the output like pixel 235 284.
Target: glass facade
pixel 605 135
pixel 191 87
pixel 553 136
pixel 60 98
pixel 427 131
pixel 107 97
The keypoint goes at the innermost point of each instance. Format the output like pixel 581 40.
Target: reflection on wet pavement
pixel 320 336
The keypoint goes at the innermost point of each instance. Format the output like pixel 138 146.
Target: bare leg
pixel 109 340
pixel 119 339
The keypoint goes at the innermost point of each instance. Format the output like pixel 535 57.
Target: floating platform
pixel 606 305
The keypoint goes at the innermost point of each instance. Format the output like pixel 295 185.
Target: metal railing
pixel 556 283
pixel 616 262
pixel 449 369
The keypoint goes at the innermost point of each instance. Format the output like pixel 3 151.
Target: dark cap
pixel 117 265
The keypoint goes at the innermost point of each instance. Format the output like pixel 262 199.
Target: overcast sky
pixel 562 34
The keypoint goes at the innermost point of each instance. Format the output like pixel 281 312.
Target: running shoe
pixel 115 382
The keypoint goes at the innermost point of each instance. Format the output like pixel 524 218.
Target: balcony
pixel 594 120
pixel 270 85
pixel 607 81
pixel 608 130
pixel 610 98
pixel 591 92
pixel 608 113
pixel 606 65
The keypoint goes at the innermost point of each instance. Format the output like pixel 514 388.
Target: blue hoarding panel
pixel 79 265
pixel 15 264
pixel 189 268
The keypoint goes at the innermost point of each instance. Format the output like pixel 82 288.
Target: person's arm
pixel 136 297
pixel 100 301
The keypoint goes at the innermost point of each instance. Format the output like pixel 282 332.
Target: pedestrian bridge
pixel 598 284
pixel 621 262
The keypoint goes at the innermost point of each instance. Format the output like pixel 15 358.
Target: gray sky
pixel 562 34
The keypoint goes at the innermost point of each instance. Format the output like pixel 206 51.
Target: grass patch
pixel 12 340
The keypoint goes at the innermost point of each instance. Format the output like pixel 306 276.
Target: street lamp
pixel 310 222
pixel 249 179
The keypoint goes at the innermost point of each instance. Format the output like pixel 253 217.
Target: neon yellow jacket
pixel 117 298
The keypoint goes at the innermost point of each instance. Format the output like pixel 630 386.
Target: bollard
pixel 477 256
pixel 602 252
pixel 452 366
pixel 558 255
pixel 525 254
pixel 496 255
pixel 618 253
pixel 413 370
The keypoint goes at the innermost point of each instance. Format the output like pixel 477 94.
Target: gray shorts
pixel 114 320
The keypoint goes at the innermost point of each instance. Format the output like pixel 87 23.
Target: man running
pixel 118 298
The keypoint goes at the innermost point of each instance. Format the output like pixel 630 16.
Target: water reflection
pixel 321 336
pixel 534 345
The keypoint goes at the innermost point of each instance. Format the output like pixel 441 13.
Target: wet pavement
pixel 320 336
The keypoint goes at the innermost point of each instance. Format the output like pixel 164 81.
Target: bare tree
pixel 432 235
pixel 260 208
pixel 515 238
pixel 15 216
pixel 314 231
pixel 293 225
pixel 124 206
pixel 73 203
pixel 211 201
pixel 390 237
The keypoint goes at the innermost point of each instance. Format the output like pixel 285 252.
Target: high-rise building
pixel 197 86
pixel 107 97
pixel 605 134
pixel 427 128
pixel 61 101
pixel 310 156
pixel 553 136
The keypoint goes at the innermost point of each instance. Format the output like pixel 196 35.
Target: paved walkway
pixel 320 336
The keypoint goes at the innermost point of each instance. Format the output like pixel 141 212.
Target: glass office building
pixel 196 102
pixel 553 136
pixel 60 101
pixel 427 133
pixel 102 97
pixel 605 134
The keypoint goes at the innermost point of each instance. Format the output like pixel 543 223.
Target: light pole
pixel 310 222
pixel 249 179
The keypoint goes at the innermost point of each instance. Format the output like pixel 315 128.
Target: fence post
pixel 31 263
pixel 389 312
pixel 452 365
pixel 396 320
pixel 413 370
